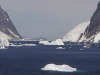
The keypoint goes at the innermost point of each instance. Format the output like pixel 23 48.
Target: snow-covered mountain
pixel 75 34
pixel 7 29
pixel 86 32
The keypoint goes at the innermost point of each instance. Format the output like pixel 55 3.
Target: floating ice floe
pixel 22 45
pixel 60 48
pixel 62 68
pixel 15 45
pixel 81 49
pixel 29 44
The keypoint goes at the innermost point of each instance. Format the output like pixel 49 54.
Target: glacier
pixel 62 68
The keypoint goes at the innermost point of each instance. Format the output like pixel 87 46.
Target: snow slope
pixel 76 33
pixel 5 35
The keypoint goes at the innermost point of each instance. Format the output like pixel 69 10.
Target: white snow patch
pixel 63 68
pixel 74 34
pixel 13 33
pixel 97 38
pixel 5 35
pixel 7 19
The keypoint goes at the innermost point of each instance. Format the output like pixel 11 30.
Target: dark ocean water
pixel 28 60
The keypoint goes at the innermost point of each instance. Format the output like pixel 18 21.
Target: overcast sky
pixel 48 18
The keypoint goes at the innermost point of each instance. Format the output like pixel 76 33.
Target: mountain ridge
pixel 7 27
pixel 91 32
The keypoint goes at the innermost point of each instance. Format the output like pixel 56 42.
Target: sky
pixel 50 19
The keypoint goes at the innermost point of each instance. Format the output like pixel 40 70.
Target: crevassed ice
pixel 63 68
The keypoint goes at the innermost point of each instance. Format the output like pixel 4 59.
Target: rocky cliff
pixel 94 26
pixel 7 29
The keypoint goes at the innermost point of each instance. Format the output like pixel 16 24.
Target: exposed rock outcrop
pixel 7 29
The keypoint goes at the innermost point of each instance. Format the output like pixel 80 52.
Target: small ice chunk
pixel 60 48
pixel 81 49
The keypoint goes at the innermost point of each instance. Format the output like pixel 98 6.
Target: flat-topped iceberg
pixel 62 68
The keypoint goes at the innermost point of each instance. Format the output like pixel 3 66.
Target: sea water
pixel 28 60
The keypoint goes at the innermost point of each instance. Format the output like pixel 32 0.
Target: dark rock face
pixel 94 26
pixel 6 25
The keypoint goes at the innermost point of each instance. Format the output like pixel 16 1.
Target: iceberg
pixel 3 42
pixel 62 68
pixel 57 42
